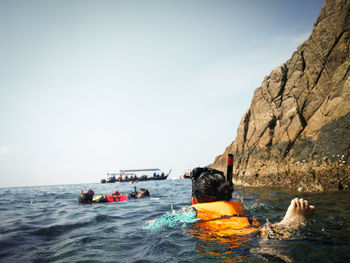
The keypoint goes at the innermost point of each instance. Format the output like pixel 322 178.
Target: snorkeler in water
pixel 213 211
pixel 138 194
pixel 211 194
pixel 115 197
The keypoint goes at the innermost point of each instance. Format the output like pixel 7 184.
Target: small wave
pixel 58 229
pixel 63 255
pixel 102 218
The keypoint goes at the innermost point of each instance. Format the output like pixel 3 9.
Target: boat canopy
pixel 140 170
pixel 116 174
pixel 132 171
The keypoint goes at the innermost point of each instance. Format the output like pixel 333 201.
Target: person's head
pixel 209 185
pixel 86 198
pixel 142 193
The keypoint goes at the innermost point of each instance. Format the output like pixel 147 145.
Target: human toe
pixel 298 202
pixel 306 204
pixel 294 202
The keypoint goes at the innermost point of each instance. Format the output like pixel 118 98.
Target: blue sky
pixel 90 87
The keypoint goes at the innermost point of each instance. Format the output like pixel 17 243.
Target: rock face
pixel 296 132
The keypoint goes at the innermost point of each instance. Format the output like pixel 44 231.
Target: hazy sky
pixel 90 87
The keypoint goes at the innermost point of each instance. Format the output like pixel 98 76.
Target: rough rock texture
pixel 296 132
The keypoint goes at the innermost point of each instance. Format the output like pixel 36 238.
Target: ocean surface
pixel 47 224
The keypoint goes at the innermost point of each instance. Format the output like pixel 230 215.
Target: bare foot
pixel 298 212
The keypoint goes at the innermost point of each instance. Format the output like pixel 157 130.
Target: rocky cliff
pixel 296 132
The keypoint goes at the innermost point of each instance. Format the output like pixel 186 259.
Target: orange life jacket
pixel 224 218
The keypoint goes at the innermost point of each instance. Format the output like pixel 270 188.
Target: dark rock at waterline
pixel 296 132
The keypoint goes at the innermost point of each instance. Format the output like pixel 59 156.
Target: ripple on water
pixel 56 230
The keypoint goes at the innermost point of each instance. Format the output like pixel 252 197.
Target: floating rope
pixel 173 219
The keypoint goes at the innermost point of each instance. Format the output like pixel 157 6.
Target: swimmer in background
pixel 115 197
pixel 213 212
pixel 138 194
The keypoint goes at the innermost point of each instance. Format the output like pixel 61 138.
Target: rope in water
pixel 173 219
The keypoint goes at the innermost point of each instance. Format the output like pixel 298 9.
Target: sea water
pixel 47 224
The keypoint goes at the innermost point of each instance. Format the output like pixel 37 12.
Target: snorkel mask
pixel 199 172
pixel 205 176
